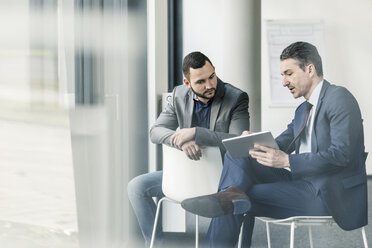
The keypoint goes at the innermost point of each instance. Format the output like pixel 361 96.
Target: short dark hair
pixel 194 60
pixel 305 53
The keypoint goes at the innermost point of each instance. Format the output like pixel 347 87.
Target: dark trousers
pixel 272 192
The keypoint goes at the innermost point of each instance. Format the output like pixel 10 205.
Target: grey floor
pixel 33 215
pixel 323 236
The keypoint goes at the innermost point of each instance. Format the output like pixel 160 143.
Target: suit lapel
pixel 216 104
pixel 189 109
pixel 314 147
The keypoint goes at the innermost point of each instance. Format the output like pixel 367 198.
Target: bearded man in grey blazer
pixel 203 111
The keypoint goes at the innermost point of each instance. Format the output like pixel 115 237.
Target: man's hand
pixel 269 156
pixel 192 150
pixel 182 136
pixel 246 132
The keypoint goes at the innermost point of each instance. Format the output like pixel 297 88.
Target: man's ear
pixel 188 84
pixel 311 69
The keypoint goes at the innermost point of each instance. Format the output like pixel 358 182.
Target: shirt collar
pixel 316 93
pixel 195 98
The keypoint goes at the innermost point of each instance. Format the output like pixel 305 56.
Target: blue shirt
pixel 202 113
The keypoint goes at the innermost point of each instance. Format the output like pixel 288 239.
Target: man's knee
pixel 228 159
pixel 136 186
pixel 146 185
pixel 227 156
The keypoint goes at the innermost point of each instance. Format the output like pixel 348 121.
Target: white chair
pixel 296 221
pixel 184 178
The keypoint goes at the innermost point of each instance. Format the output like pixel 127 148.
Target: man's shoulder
pixel 233 89
pixel 337 92
pixel 181 91
pixel 181 88
pixel 233 96
pixel 232 92
pixel 339 98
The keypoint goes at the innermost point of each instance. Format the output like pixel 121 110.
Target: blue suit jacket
pixel 336 164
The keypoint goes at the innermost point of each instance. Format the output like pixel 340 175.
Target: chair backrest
pixel 184 178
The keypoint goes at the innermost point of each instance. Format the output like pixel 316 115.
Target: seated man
pixel 325 175
pixel 206 110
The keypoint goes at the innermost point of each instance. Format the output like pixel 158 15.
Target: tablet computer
pixel 239 146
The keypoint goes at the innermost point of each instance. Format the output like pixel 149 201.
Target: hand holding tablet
pixel 240 146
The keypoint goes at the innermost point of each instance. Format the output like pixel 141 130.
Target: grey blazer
pixel 229 116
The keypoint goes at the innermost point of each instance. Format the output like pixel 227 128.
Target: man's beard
pixel 203 95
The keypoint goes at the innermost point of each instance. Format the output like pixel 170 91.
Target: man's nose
pixel 209 84
pixel 285 82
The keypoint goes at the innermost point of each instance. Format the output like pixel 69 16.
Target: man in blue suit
pixel 319 168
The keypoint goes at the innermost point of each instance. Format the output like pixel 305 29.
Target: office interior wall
pixel 348 46
pixel 157 68
pixel 228 32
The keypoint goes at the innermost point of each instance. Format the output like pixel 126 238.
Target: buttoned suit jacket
pixel 229 116
pixel 336 164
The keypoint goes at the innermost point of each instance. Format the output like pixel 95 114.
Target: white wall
pixel 348 50
pixel 15 52
pixel 157 67
pixel 228 32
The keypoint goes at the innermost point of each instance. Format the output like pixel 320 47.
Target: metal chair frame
pixel 296 221
pixel 157 217
pixel 191 186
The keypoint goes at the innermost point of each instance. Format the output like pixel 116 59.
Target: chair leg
pixel 268 235
pixel 292 234
pixel 196 231
pixel 311 237
pixel 156 222
pixel 241 235
pixel 364 237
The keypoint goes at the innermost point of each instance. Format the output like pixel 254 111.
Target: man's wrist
pixel 288 165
